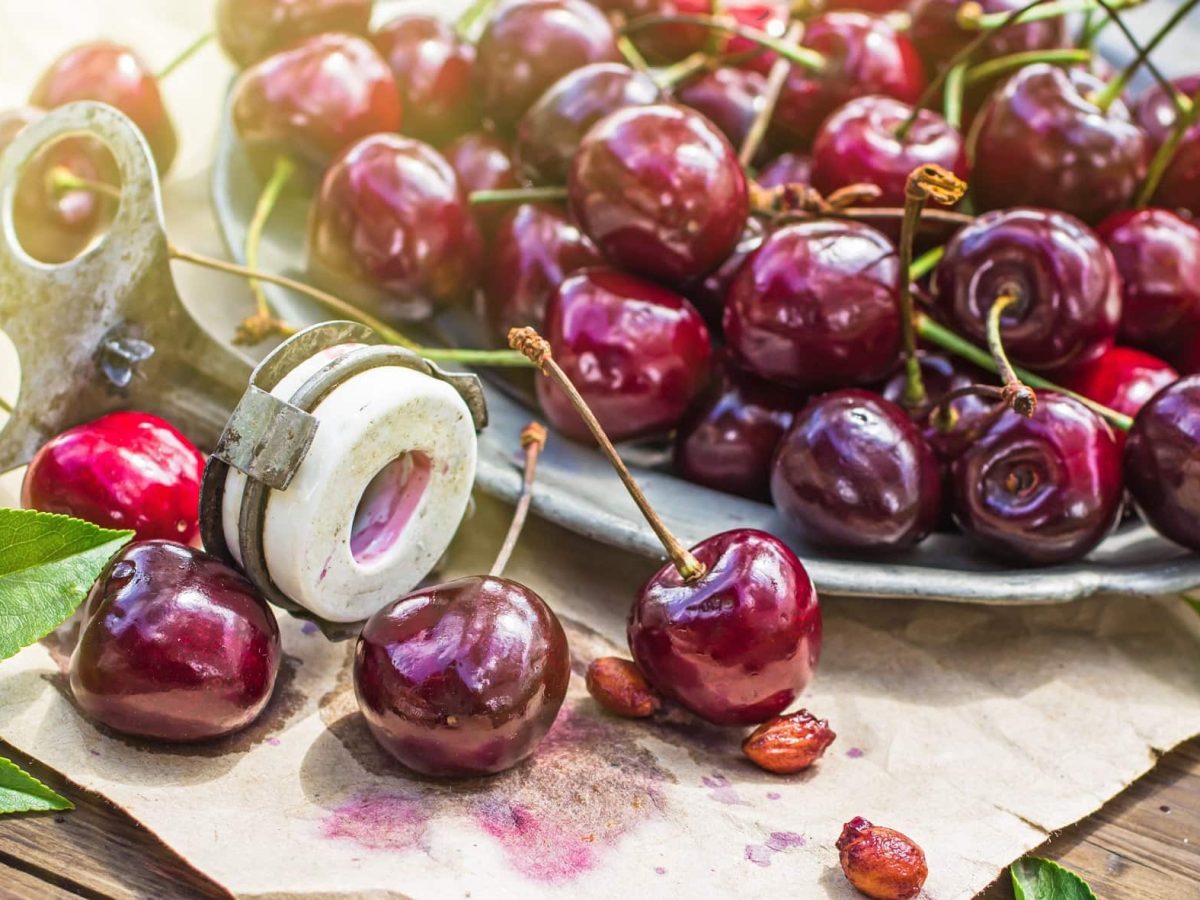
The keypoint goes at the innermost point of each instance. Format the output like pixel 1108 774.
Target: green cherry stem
pixel 60 180
pixel 925 263
pixel 1016 395
pixel 517 195
pixel 187 53
pixel 263 323
pixel 774 87
pixel 1004 64
pixel 467 26
pixel 972 16
pixel 533 440
pixel 1113 89
pixel 801 56
pixel 632 54
pixel 952 98
pixel 1166 151
pixel 5 407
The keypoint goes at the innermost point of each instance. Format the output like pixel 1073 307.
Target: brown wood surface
pixel 1143 844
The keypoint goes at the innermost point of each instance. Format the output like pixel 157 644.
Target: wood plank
pixel 18 885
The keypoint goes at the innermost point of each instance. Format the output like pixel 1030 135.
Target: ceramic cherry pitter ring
pixel 343 473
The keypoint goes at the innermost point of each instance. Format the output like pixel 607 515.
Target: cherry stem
pixel 5 407
pixel 1017 396
pixel 801 56
pixel 776 79
pixel 537 350
pixel 943 416
pixel 533 440
pixel 263 323
pixel 60 180
pixel 943 337
pixel 677 73
pixel 517 195
pixel 925 263
pixel 1003 64
pixel 187 53
pixel 971 15
pixel 925 182
pixel 952 98
pixel 466 25
pixel 497 358
pixel 632 54
pixel 1166 151
pixel 1113 89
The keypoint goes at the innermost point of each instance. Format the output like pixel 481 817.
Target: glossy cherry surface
pixel 942 374
pixel 1157 254
pixel 728 442
pixel 1122 379
pixel 528 46
pixel 1040 490
pixel 313 100
pixel 1042 141
pixel 390 228
pixel 738 645
pixel 463 678
pixel 252 29
pixel 938 35
pixel 670 42
pixel 175 646
pixel 124 470
pixel 857 144
pixel 786 168
pixel 708 294
pixel 1156 114
pixel 815 306
pixel 1160 462
pixel 729 98
pixel 483 162
pixel 1069 301
pixel 113 74
pixel 854 472
pixel 638 353
pixel 549 133
pixel 659 190
pixel 434 69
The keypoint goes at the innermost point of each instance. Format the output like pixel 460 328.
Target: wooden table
pixel 1144 843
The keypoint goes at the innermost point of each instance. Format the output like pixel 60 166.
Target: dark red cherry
pixel 534 249
pixel 549 133
pixel 938 35
pixel 728 442
pixel 786 168
pixel 1160 462
pixel 528 46
pixel 864 55
pixel 708 294
pixel 1156 114
pixel 729 98
pixel 858 145
pixel 638 353
pixel 670 42
pixel 249 30
pixel 313 100
pixel 854 473
pixel 113 74
pixel 175 646
pixel 433 68
pixel 659 190
pixel 124 470
pixel 463 678
pixel 1158 258
pixel 815 306
pixel 483 162
pixel 942 374
pixel 391 229
pixel 1042 141
pixel 1040 490
pixel 738 645
pixel 1064 277
pixel 1122 379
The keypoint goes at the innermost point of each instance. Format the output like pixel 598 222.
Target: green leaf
pixel 1034 878
pixel 21 792
pixel 47 565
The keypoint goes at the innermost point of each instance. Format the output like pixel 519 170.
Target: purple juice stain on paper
pixel 776 842
pixel 773 795
pixel 309 628
pixel 536 847
pixel 854 752
pixel 721 790
pixel 386 821
pixel 659 870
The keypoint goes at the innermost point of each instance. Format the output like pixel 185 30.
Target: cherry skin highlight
pixel 784 169
pixel 483 162
pixel 1123 379
pixel 1156 114
pixel 729 98
pixel 175 646
pixel 125 470
pixel 250 30
pixel 708 294
pixel 941 374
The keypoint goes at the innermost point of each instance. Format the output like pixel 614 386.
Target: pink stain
pixel 776 842
pixel 379 821
pixel 854 752
pixel 309 628
pixel 273 741
pixel 536 848
pixel 773 795
pixel 721 790
pixel 659 870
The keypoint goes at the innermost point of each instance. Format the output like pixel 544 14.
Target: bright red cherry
pixel 390 228
pixel 1156 114
pixel 124 470
pixel 1122 379
pixel 659 190
pixel 729 98
pixel 938 34
pixel 1042 141
pixel 815 306
pixel 1068 290
pixel 252 29
pixel 113 74
pixel 1040 490
pixel 463 678
pixel 313 100
pixel 638 353
pixel 175 646
pixel 786 168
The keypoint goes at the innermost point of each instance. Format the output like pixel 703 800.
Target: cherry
pixel 858 144
pixel 785 169
pixel 938 34
pixel 708 294
pixel 729 98
pixel 433 67
pixel 871 6
pixel 1122 379
pixel 1179 186
pixel 528 46
pixel 390 228
pixel 1156 112
pixel 1064 278
pixel 815 306
pixel 1042 140
pixel 534 249
pixel 864 55
pixel 483 162
pixel 942 374
pixel 175 646
pixel 638 352
pixel 550 132
pixel 659 190
pixel 313 100
pixel 668 42
pixel 1157 254
pixel 1042 489
pixel 854 472
pixel 113 74
pixel 1160 462
pixel 250 30
pixel 124 470
pixel 728 442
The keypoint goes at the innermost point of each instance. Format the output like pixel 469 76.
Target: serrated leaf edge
pixel 1019 889
pixel 56 801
